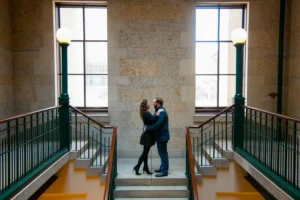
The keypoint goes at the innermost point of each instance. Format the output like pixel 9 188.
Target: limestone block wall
pixel 294 60
pixel 33 55
pixel 6 67
pixel 151 52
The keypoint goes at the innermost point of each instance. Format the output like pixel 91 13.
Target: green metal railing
pixel 213 137
pixel 28 144
pixel 112 168
pixel 190 171
pixel 272 143
pixel 91 138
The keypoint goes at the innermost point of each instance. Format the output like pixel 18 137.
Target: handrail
pixel 274 114
pixel 101 125
pixel 27 114
pixel 110 164
pixel 191 159
pixel 214 117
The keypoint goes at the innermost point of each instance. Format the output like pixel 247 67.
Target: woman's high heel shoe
pixel 146 169
pixel 136 169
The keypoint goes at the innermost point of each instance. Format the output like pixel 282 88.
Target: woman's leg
pixel 146 152
pixel 144 155
pixel 146 168
pixel 141 159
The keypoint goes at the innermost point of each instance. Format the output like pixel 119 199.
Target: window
pixel 87 54
pixel 216 55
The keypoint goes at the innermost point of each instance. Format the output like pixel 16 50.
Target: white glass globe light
pixel 239 36
pixel 64 35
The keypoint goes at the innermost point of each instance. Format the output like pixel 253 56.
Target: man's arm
pixel 158 124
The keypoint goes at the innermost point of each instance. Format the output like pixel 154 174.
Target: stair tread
pixel 151 181
pixel 85 154
pixel 142 188
pixel 80 144
pixel 205 161
pixel 151 198
pixel 98 162
pixel 211 150
pixel 151 178
pixel 222 144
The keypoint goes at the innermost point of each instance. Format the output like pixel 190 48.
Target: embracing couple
pixel 156 129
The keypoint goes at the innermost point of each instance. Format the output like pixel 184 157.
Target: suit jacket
pixel 161 127
pixel 148 137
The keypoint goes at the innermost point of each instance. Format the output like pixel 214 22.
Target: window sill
pixel 199 118
pixel 101 117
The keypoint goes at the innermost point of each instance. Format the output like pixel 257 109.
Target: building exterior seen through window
pixel 87 54
pixel 216 54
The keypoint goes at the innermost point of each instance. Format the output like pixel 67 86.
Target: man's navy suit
pixel 162 136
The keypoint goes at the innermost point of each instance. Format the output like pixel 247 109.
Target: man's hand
pixel 145 128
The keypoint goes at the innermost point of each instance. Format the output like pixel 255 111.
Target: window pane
pixel 206 58
pixel 72 18
pixel 96 57
pixel 96 23
pixel 227 58
pixel 96 91
pixel 75 58
pixel 75 86
pixel 206 91
pixel 230 19
pixel 226 90
pixel 207 24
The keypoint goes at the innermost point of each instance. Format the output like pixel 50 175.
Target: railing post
pixel 64 115
pixel 239 100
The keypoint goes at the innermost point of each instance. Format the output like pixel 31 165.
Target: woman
pixel 147 138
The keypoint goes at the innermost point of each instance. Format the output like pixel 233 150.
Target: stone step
pixel 86 158
pixel 208 170
pixel 215 157
pixel 77 147
pixel 151 181
pixel 203 166
pixel 151 192
pixel 224 146
pixel 151 198
pixel 94 171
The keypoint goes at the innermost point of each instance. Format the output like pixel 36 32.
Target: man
pixel 162 136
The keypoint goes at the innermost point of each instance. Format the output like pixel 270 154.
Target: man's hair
pixel 160 100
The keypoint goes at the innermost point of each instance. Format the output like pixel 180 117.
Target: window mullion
pixel 218 61
pixel 84 58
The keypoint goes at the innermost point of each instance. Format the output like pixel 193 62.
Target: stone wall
pixel 6 68
pixel 293 59
pixel 151 52
pixel 33 55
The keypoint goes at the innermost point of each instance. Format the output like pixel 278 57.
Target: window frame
pixel 243 7
pixel 83 41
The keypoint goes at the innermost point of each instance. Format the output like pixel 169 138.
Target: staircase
pixel 131 186
pixel 90 143
pixel 213 156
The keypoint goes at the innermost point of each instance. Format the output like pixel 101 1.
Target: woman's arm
pixel 159 111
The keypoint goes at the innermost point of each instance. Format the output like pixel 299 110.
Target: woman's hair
pixel 143 107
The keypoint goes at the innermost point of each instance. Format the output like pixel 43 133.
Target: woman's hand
pixel 159 111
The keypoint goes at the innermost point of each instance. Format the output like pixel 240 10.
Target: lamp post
pixel 239 37
pixel 63 36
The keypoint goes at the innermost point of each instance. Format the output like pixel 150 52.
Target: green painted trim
pixel 280 56
pixel 33 174
pixel 294 193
